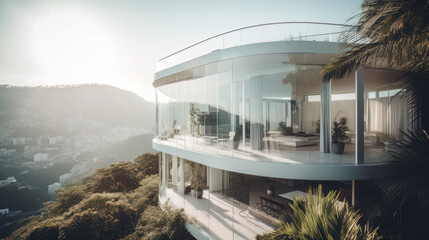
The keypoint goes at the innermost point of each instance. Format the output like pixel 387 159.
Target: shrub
pixel 45 232
pixel 145 195
pixel 116 202
pixel 66 198
pixel 147 164
pixel 320 217
pixel 120 177
pixel 157 224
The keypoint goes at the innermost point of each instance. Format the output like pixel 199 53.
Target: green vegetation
pixel 118 202
pixel 339 130
pixel 391 31
pixel 194 119
pixel 320 217
pixel 395 34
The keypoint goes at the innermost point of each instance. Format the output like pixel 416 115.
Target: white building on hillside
pixel 65 178
pixel 4 211
pixel 52 140
pixel 40 157
pixel 18 141
pixel 244 125
pixel 8 181
pixel 53 187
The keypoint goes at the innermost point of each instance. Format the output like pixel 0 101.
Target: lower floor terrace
pixel 232 205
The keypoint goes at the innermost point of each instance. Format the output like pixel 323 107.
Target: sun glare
pixel 72 46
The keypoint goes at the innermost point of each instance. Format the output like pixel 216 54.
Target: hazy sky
pixel 118 42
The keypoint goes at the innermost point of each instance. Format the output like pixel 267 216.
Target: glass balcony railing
pixel 270 32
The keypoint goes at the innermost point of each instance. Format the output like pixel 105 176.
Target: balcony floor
pixel 291 155
pixel 218 216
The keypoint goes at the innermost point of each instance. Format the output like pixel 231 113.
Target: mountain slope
pixel 118 202
pixel 105 104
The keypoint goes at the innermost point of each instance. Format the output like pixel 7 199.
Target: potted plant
pixel 317 124
pixel 199 192
pixel 237 137
pixel 282 128
pixel 194 119
pixel 188 189
pixel 270 188
pixel 339 135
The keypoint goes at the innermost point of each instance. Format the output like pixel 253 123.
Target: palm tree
pixel 411 156
pixel 393 31
pixel 321 217
pixel 394 34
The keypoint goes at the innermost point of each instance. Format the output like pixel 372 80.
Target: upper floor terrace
pixel 261 108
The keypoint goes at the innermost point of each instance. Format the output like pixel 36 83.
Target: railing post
pixel 223 41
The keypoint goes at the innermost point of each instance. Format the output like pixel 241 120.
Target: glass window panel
pixel 344 108
pixel 180 127
pixel 189 99
pixel 211 114
pixel 385 113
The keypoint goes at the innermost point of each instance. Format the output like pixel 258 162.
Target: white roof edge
pixel 278 47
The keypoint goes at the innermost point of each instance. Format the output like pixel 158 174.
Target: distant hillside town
pixel 53 136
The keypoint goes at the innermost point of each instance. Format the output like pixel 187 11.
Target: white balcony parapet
pixel 269 32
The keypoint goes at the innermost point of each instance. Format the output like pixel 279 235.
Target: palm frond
pixel 396 32
pixel 320 217
pixel 411 155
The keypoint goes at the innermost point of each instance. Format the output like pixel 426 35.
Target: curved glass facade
pixel 240 132
pixel 265 108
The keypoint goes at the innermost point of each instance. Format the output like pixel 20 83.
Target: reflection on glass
pixel 258 107
pixel 343 111
pixel 385 112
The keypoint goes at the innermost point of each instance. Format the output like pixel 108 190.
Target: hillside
pixel 108 105
pixel 118 202
pixel 123 151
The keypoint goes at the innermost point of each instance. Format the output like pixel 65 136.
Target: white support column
pixel 174 170
pixel 325 117
pixel 181 180
pixel 215 179
pixel 360 127
pixel 164 170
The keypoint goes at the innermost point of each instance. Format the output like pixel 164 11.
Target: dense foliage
pixel 321 217
pixel 393 32
pixel 395 35
pixel 117 202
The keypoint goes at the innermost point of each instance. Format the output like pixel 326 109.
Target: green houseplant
pixel 194 119
pixel 317 124
pixel 339 135
pixel 271 191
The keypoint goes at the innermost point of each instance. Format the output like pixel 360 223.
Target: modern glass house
pixel 244 125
